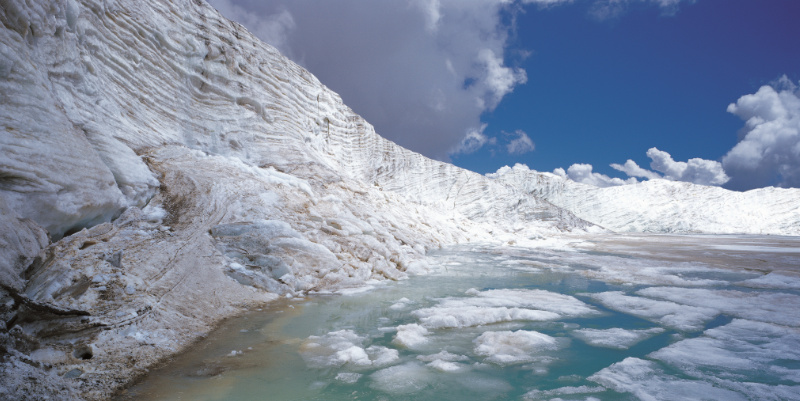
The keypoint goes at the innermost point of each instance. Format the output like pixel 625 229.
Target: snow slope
pixel 662 206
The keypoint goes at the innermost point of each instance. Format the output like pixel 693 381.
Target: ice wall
pixel 187 170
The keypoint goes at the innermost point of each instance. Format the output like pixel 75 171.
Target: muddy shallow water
pixel 611 317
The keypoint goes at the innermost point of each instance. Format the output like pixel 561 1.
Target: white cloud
pixel 605 9
pixel 769 152
pixel 474 140
pixel 521 144
pixel 494 80
pixel 633 170
pixel 519 167
pixel 696 170
pixel 583 173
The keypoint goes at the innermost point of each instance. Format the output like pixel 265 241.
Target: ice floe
pixel 344 347
pixel 616 338
pixel 546 394
pixel 771 307
pixel 786 280
pixel 670 314
pixel 411 335
pixel 407 378
pixel 505 305
pixel 646 381
pixel 514 347
pixel 739 350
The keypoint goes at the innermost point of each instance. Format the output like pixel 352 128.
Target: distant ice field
pixel 600 318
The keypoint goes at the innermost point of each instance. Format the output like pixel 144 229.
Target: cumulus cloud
pixel 521 143
pixel 695 170
pixel 583 173
pixel 474 140
pixel 769 151
pixel 633 170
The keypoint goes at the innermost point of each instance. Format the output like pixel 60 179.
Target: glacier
pixel 663 206
pixel 162 169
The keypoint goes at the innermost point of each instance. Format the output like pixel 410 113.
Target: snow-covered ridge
pixel 663 206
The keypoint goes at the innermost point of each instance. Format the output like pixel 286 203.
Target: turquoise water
pixel 509 323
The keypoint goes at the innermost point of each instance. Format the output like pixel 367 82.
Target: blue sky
pixel 600 92
pixel 560 84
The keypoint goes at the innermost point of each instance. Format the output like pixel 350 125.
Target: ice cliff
pixel 161 168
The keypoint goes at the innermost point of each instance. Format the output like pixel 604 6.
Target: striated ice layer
pixel 615 338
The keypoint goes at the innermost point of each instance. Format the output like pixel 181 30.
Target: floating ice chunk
pixel 401 303
pixel 777 279
pixel 615 338
pixel 348 377
pixel 513 347
pixel 564 305
pixel 472 291
pixel 344 347
pixel 504 305
pixel 410 335
pixel 382 356
pixel 778 308
pixel 624 270
pixel 671 314
pixel 646 382
pixel 581 390
pixel 739 349
pixel 444 356
pixel 407 378
pixel 467 316
pixel 445 366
